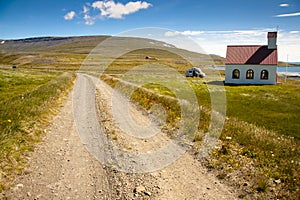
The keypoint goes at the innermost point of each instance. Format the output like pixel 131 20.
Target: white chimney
pixel 272 39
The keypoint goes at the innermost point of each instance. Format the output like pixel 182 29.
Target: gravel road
pixel 69 164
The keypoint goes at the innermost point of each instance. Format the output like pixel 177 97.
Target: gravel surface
pixel 68 164
pixel 61 167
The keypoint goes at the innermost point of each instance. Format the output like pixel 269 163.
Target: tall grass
pixel 260 156
pixel 27 97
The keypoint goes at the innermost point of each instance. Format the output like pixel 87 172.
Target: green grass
pixel 275 107
pixel 13 82
pixel 261 138
pixel 27 98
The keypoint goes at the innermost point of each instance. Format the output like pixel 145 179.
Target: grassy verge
pixel 27 99
pixel 259 162
pixel 257 157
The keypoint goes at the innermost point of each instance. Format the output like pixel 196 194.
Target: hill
pixel 281 63
pixel 69 52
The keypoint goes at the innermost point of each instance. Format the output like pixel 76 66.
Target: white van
pixel 194 72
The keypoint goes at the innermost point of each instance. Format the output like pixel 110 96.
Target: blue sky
pixel 212 23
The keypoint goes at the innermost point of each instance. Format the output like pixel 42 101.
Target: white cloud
pixel 86 9
pixel 185 33
pixel 110 9
pixel 70 15
pixel 172 33
pixel 215 42
pixel 89 20
pixel 289 15
pixel 224 33
pixel 284 5
pixel 192 33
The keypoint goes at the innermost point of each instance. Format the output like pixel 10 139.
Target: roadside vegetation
pixel 28 99
pixel 258 151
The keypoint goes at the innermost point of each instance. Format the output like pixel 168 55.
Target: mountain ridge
pixel 41 51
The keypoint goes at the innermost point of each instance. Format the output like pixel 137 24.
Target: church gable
pixel 252 64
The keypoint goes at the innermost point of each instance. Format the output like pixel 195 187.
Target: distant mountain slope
pixel 69 52
pixel 281 63
pixel 54 44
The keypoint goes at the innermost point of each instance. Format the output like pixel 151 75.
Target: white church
pixel 252 64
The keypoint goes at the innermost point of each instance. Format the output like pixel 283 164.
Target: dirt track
pixel 62 168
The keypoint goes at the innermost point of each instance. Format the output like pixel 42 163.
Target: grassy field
pixel 262 160
pixel 259 144
pixel 274 107
pixel 27 99
pixel 42 60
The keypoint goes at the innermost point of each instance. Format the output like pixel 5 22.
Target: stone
pixel 20 185
pixel 139 189
pixel 147 193
pixel 277 181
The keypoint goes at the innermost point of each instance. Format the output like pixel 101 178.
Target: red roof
pixel 255 55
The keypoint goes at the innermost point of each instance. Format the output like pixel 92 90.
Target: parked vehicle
pixel 194 72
